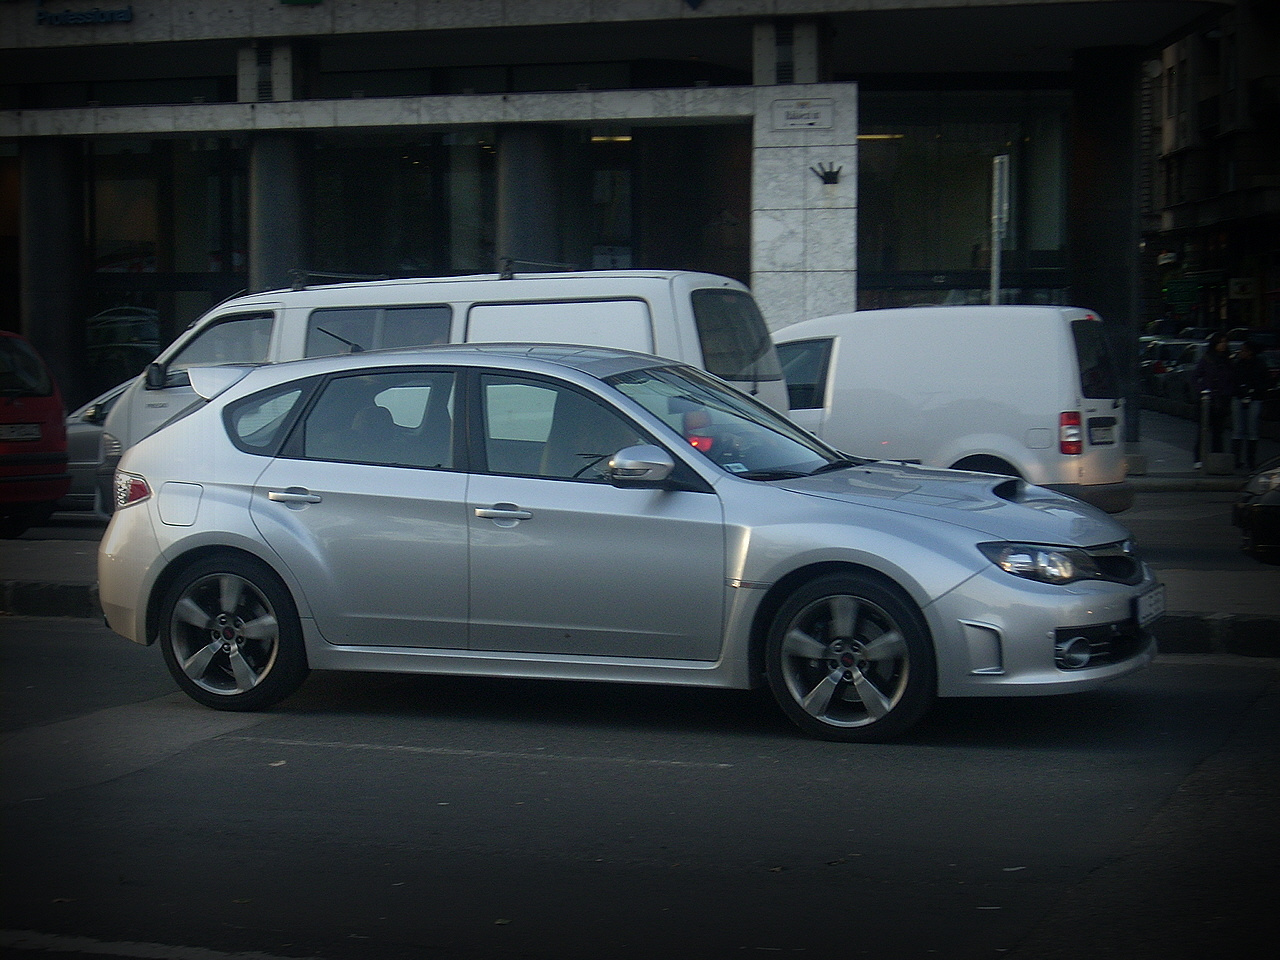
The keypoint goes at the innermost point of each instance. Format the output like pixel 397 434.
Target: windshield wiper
pixel 771 474
pixel 842 464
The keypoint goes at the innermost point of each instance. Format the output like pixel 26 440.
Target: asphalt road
pixel 392 818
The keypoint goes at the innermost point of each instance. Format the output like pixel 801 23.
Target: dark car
pixel 33 438
pixel 1257 513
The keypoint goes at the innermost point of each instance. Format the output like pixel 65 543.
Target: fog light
pixel 1072 654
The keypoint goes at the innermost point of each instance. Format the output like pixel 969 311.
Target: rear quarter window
pixel 259 423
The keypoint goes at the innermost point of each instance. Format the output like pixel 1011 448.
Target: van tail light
pixel 1070 436
pixel 130 489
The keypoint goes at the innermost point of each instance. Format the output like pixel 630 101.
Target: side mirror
pixel 643 465
pixel 157 377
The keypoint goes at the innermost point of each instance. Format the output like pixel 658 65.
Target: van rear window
pixel 1098 380
pixel 735 340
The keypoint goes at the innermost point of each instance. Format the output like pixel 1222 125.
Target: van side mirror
pixel 156 376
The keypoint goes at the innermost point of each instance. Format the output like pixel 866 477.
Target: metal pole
pixel 999 218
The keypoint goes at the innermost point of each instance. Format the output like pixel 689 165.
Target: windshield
pixel 729 429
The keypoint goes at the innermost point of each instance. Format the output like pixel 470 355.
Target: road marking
pixel 478 754
pixel 29 940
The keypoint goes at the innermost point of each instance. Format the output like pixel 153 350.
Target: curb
pixel 1239 634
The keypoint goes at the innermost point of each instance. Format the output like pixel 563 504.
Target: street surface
pixel 388 818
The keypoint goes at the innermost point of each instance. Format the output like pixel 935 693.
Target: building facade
pixel 1212 219
pixel 159 155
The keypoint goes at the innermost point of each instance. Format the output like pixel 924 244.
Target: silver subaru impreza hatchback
pixel 525 510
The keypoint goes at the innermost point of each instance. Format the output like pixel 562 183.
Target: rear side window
pixel 239 339
pixel 804 364
pixel 1098 380
pixel 335 330
pixel 733 335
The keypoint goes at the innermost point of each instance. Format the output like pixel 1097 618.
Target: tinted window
pixel 22 372
pixel 1098 379
pixel 735 341
pixel 338 330
pixel 244 339
pixel 804 364
pixel 396 418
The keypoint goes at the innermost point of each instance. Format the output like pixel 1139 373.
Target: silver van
pixel 705 320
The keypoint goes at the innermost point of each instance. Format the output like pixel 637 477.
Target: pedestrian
pixel 1215 379
pixel 1252 383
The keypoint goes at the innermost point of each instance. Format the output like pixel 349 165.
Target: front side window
pixel 393 418
pixel 337 330
pixel 240 339
pixel 734 337
pixel 804 364
pixel 733 431
pixel 540 429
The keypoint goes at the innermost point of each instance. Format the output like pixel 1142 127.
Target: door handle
pixel 503 511
pixel 293 495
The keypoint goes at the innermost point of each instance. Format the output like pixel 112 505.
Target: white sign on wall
pixel 817 114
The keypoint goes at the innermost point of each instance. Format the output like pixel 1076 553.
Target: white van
pixel 702 319
pixel 1019 390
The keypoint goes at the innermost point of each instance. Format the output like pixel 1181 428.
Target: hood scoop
pixel 1013 490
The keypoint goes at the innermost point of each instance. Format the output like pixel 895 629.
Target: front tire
pixel 849 658
pixel 231 635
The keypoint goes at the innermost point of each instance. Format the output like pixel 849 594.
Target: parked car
pixel 84 443
pixel 1257 513
pixel 1155 359
pixel 594 514
pixel 1179 380
pixel 33 439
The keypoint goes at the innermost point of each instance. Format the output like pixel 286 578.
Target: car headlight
pixel 1047 564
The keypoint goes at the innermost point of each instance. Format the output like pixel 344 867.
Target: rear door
pixel 366 507
pixel 1102 458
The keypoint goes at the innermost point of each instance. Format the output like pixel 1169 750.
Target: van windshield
pixel 1098 380
pixel 735 340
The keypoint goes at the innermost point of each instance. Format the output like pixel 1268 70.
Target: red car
pixel 33 438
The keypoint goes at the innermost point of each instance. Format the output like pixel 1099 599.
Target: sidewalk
pixel 1218 599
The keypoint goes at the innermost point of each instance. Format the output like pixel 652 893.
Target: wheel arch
pixel 778 593
pixel 172 571
pixel 987 463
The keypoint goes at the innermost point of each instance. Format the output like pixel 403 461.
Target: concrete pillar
pixel 1103 212
pixel 52 262
pixel 275 211
pixel 528 225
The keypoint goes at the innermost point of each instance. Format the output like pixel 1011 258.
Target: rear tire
pixel 849 658
pixel 231 635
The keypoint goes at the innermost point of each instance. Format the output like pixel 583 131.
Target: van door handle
pixel 293 495
pixel 503 511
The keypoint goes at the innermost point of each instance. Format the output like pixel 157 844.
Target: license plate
pixel 1099 436
pixel 19 431
pixel 1149 606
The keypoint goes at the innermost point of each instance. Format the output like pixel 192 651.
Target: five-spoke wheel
pixel 231 636
pixel 849 658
